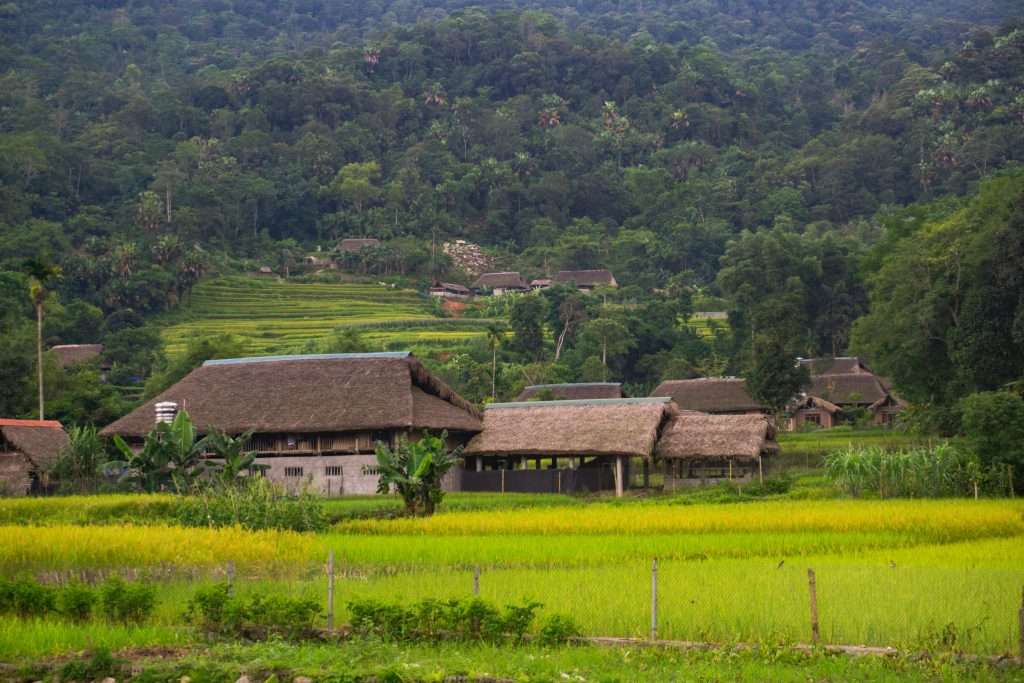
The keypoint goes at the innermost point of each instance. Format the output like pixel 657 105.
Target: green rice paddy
pixel 271 316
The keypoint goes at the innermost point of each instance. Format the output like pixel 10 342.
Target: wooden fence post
pixel 654 600
pixel 476 581
pixel 1020 617
pixel 503 480
pixel 231 574
pixel 760 470
pixel 812 586
pixel 330 590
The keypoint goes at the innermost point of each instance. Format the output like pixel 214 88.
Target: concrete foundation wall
pixel 358 473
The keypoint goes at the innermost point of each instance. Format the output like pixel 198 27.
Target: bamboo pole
pixel 813 588
pixel 654 600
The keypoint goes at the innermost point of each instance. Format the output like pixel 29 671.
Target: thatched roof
pixel 506 280
pixel 586 278
pixel 709 394
pixel 815 402
pixel 627 426
pixel 840 365
pixel 68 355
pixel 452 287
pixel 317 393
pixel 41 441
pixel 848 389
pixel 583 390
pixel 353 245
pixel 695 436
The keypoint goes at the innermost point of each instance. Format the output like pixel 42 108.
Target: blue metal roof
pixel 583 402
pixel 313 356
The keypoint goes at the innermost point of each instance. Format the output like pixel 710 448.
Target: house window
pixel 381 437
pixel 813 418
pixel 371 471
pixel 333 470
pixel 291 441
pixel 293 471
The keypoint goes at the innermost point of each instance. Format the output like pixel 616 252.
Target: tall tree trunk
pixel 604 357
pixel 494 371
pixel 39 355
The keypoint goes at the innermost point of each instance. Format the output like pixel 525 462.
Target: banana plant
pixel 231 451
pixel 170 457
pixel 414 471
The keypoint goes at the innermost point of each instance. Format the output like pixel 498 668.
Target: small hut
pixel 28 452
pixel 811 410
pixel 450 290
pixel 586 280
pixel 700 448
pixel 571 392
pixel 500 284
pixel 597 436
pixel 69 355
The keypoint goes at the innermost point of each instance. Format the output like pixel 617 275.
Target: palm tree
pixel 41 278
pixel 495 335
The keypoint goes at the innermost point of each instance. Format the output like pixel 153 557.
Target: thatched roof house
pixel 309 394
pixel 69 355
pixel 596 427
pixel 839 365
pixel 711 395
pixel 580 391
pixel 450 290
pixel 353 245
pixel 500 283
pixel 700 436
pixel 812 410
pixel 29 449
pixel 854 390
pixel 586 280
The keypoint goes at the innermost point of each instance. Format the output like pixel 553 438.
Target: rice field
pixel 272 316
pixel 941 575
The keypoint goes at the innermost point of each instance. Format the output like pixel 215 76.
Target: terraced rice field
pixel 271 316
pixel 708 328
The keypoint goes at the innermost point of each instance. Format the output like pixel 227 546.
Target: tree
pixel 42 277
pixel 230 450
pixel 495 335
pixel 611 336
pixel 79 464
pixel 414 470
pixel 993 423
pixel 776 378
pixel 354 184
pixel 527 322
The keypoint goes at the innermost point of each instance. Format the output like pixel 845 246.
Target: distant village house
pixel 353 245
pixel 714 395
pixel 843 385
pixel 450 290
pixel 586 280
pixel 578 391
pixel 499 284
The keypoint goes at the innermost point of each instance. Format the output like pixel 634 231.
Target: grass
pixel 362 661
pixel 272 316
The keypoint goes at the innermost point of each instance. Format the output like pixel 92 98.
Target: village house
pixel 73 355
pixel 540 283
pixel 29 450
pixel 698 448
pixel 586 280
pixel 843 385
pixel 579 391
pixel 715 395
pixel 315 419
pixel 499 284
pixel 450 290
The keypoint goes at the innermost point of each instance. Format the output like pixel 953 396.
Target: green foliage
pixel 433 620
pixel 251 502
pixel 79 466
pixel 415 470
pixel 993 423
pixel 944 470
pixel 234 461
pixel 558 629
pixel 775 378
pixel 170 458
pixel 218 612
pixel 26 598
pixel 76 602
pixel 127 602
pixel 99 664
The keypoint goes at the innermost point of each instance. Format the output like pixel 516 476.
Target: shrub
pixel 558 630
pixel 99 665
pixel 907 473
pixel 220 613
pixel 993 423
pixel 76 602
pixel 127 602
pixel 26 598
pixel 429 620
pixel 255 504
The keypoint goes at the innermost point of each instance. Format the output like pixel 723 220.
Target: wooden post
pixel 1009 474
pixel 647 473
pixel 654 600
pixel 618 476
pixel 558 481
pixel 730 469
pixel 812 586
pixel 231 574
pixel 479 464
pixel 760 469
pixel 330 590
pixel 1020 617
pixel 476 581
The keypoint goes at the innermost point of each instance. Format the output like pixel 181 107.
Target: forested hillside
pixel 762 152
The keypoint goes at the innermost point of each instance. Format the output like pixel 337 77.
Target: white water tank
pixel 166 411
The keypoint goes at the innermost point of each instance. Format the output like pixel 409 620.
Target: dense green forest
pixel 839 175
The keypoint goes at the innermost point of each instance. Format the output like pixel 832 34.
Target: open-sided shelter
pixel 29 449
pixel 315 419
pixel 594 433
pixel 698 447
